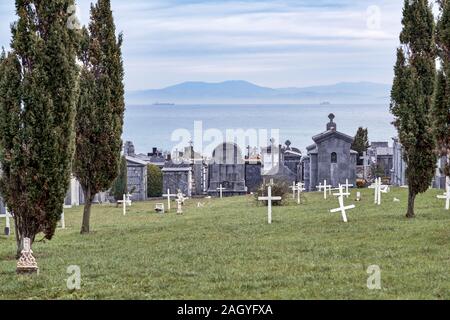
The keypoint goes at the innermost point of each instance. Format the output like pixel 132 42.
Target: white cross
pixel 325 188
pixel 342 208
pixel 347 186
pixel 124 204
pixel 341 192
pixel 377 189
pixel 221 190
pixel 269 199
pixel 300 188
pixel 294 189
pixel 169 196
pixel 129 200
pixel 7 216
pixel 446 196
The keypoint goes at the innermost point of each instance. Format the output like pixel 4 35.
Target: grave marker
pixel 269 200
pixel 446 196
pixel 342 208
pixel 169 198
pixel 221 189
pixel 124 204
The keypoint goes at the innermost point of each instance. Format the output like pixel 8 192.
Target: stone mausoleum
pixel 330 158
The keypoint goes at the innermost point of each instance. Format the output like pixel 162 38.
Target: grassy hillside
pixel 226 250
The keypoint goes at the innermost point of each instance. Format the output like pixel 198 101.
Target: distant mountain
pixel 246 92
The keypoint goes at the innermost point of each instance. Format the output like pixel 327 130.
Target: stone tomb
pixel 227 168
pixel 330 158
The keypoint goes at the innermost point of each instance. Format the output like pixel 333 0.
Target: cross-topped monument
pixel 269 200
pixel 27 263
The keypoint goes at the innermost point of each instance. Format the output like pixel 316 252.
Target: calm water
pixel 152 126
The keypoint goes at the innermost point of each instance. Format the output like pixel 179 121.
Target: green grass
pixel 226 250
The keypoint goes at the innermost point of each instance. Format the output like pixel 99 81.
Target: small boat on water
pixel 325 103
pixel 163 104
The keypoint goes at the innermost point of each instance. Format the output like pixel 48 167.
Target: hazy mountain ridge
pixel 246 92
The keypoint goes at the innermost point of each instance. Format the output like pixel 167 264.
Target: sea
pixel 166 126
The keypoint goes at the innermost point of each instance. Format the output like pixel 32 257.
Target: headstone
pixel 169 198
pixel 181 197
pixel 358 196
pixel 159 207
pixel 269 200
pixel 27 263
pixel 342 208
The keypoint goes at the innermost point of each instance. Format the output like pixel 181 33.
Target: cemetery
pixel 225 249
pixel 245 220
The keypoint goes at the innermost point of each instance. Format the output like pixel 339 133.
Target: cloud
pixel 273 43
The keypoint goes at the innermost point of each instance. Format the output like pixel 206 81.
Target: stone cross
pixel 342 208
pixel 169 196
pixel 221 190
pixel 179 206
pixel 446 196
pixel 269 199
pixel 347 186
pixel 180 196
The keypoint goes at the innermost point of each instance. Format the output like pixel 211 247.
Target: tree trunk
pixel 411 201
pixel 88 198
pixel 19 239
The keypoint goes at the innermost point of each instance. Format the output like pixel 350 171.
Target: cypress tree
pixel 101 107
pixel 412 96
pixel 441 108
pixel 38 93
pixel 154 181
pixel 361 143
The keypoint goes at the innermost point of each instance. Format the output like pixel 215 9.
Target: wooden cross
pixel 446 196
pixel 269 199
pixel 341 192
pixel 325 188
pixel 377 188
pixel 124 204
pixel 169 196
pixel 221 190
pixel 342 208
pixel 347 185
pixel 294 189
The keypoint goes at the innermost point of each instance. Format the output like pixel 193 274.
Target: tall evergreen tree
pixel 101 107
pixel 361 143
pixel 38 94
pixel 441 109
pixel 412 96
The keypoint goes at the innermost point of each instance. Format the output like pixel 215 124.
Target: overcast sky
pixel 277 43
